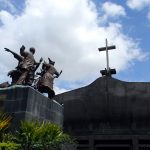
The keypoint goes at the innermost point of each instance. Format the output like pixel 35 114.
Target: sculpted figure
pixel 16 73
pixel 45 83
pixel 31 74
pixel 28 66
pixel 25 70
pixel 4 85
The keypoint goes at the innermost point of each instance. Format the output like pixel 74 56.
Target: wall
pixel 24 103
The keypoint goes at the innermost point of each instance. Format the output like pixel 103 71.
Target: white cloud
pixel 112 10
pixel 138 4
pixel 68 33
pixel 3 74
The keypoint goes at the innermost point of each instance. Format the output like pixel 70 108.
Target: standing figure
pixel 16 73
pixel 26 65
pixel 45 83
pixel 31 74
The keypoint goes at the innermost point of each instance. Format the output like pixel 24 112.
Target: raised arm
pixel 18 57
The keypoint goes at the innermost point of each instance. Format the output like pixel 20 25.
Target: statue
pixel 28 67
pixel 31 74
pixel 24 73
pixel 15 74
pixel 48 74
pixel 25 70
pixel 4 85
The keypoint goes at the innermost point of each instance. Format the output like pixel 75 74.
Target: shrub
pixel 41 136
pixel 10 146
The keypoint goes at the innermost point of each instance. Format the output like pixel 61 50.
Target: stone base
pixel 25 103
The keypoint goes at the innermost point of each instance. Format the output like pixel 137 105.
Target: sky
pixel 70 33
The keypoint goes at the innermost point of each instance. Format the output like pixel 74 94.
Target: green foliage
pixel 10 146
pixel 41 136
pixel 32 135
pixel 4 123
pixel 8 137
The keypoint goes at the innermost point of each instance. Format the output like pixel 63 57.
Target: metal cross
pixel 107 56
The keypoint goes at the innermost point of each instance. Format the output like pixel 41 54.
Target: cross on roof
pixel 107 71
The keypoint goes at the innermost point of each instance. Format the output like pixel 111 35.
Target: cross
pixel 107 71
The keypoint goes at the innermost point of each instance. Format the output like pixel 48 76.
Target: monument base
pixel 25 103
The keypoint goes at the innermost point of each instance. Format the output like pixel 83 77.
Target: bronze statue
pixel 26 64
pixel 24 73
pixel 25 70
pixel 16 73
pixel 48 73
pixel 28 67
pixel 31 74
pixel 4 85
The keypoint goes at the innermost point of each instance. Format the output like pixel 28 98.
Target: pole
pixel 107 58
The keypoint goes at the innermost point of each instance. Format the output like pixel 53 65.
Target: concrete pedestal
pixel 25 103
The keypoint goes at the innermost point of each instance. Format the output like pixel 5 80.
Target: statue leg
pixel 22 78
pixel 51 94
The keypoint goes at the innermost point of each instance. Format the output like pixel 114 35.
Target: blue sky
pixel 137 26
pixel 71 31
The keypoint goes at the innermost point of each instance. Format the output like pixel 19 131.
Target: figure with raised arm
pixel 16 73
pixel 26 65
pixel 48 74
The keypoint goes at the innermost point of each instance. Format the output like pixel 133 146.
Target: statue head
pixel 22 48
pixel 32 50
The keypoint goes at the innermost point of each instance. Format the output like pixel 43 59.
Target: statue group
pixel 25 72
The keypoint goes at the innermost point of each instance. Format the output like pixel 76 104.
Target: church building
pixel 108 114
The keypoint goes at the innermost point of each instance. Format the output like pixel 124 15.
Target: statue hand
pixel 56 76
pixel 60 73
pixel 8 74
pixel 6 49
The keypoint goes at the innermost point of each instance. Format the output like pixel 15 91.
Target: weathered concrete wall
pixel 23 102
pixel 107 106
